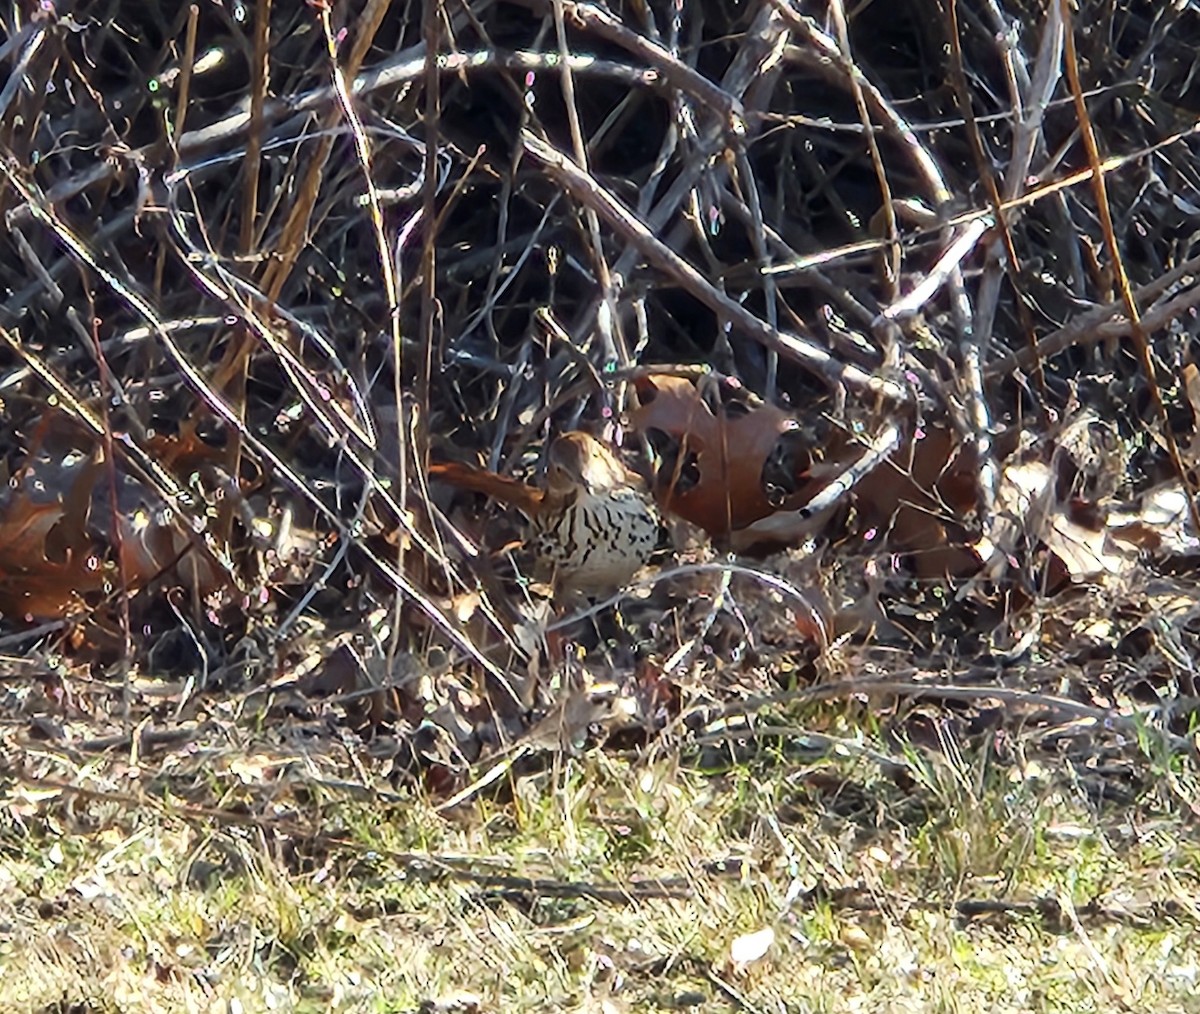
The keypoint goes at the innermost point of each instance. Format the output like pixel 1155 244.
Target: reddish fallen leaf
pixel 25 524
pixel 726 470
pixel 919 500
pixel 185 451
pixel 717 463
pixel 150 550
pixel 31 584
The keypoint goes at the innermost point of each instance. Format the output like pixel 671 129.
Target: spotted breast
pixel 591 527
pixel 597 525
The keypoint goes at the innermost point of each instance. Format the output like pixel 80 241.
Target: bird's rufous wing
pixel 506 490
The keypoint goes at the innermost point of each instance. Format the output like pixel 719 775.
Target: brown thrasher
pixel 591 528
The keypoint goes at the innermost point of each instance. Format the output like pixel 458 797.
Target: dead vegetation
pixel 896 304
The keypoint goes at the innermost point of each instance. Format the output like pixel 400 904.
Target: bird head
pixel 578 460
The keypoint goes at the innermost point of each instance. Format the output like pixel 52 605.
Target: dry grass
pixel 929 886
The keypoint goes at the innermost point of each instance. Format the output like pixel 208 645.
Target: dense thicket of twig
pixel 263 259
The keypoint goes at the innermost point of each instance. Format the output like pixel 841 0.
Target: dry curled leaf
pixel 184 451
pixel 36 582
pixel 745 473
pixel 723 468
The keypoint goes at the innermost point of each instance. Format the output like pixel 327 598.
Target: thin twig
pixel 585 188
pixel 1141 340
